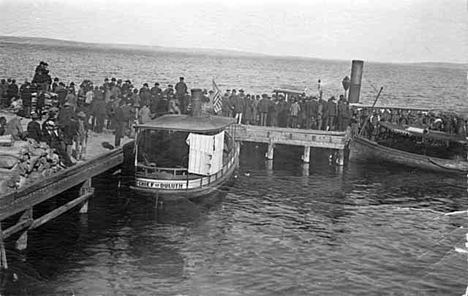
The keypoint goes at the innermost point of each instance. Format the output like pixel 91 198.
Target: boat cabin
pixel 183 152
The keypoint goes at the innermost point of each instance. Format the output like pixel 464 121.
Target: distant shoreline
pixel 199 51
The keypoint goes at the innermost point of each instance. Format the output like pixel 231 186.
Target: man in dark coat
pixel 98 110
pixel 61 94
pixel 180 88
pixel 34 128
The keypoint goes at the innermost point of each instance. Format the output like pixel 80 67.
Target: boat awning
pixel 423 132
pixel 188 123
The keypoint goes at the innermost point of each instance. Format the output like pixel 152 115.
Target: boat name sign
pixel 161 184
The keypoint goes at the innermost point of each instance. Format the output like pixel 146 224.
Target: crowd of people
pixel 299 111
pixel 117 104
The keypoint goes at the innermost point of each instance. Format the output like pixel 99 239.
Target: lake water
pixel 282 228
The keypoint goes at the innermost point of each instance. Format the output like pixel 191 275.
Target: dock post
pixel 269 167
pixel 305 169
pixel 3 259
pixel 340 159
pixel 85 188
pixel 22 242
pixel 269 153
pixel 306 155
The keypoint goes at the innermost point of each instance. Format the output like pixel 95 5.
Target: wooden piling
pixel 340 159
pixel 305 169
pixel 85 190
pixel 22 242
pixel 270 151
pixel 306 155
pixel 3 259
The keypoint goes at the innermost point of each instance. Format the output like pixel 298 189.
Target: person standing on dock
pixel 238 105
pixel 331 114
pixel 144 95
pixel 294 113
pixel 98 111
pixel 343 114
pixel 61 94
pixel 119 121
pixel 263 109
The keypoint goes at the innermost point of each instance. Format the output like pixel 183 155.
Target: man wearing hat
pixel 180 88
pixel 34 129
pixel 155 97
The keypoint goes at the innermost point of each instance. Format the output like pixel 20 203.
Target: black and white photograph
pixel 233 147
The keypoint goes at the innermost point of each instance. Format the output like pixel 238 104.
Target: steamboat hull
pixel 364 149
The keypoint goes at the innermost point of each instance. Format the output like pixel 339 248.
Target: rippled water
pixel 282 228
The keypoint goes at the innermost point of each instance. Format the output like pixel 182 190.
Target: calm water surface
pixel 282 228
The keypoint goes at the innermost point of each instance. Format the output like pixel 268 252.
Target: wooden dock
pixel 298 137
pixel 21 202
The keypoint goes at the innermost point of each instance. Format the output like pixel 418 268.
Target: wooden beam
pixel 59 211
pixel 25 224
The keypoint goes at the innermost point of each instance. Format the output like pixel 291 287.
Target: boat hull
pixel 364 149
pixel 193 188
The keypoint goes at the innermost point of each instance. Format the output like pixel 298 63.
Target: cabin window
pixel 163 149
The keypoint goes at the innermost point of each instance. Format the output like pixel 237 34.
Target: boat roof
pixel 425 133
pixel 188 123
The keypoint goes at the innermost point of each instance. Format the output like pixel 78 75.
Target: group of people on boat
pixel 447 122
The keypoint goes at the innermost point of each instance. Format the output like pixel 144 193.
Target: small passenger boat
pixel 185 156
pixel 413 146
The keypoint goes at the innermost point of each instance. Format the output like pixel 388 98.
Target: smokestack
pixel 355 85
pixel 196 102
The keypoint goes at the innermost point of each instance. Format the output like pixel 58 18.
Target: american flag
pixel 217 104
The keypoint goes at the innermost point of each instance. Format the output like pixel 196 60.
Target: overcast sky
pixel 386 31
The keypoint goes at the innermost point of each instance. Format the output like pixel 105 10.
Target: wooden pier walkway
pixel 297 137
pixel 21 202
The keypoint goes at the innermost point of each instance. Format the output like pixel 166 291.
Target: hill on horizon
pixel 200 51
